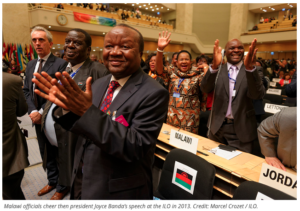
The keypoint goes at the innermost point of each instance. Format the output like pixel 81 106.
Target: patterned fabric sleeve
pixel 166 75
pixel 204 95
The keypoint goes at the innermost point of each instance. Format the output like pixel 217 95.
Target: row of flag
pixel 21 55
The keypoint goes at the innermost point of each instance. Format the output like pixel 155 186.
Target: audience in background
pixel 261 20
pixel 150 68
pixel 94 58
pixel 285 80
pixel 294 23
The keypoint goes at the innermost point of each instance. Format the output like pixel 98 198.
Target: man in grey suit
pixel 61 142
pixel 233 119
pixel 118 120
pixel 47 62
pixel 14 146
pixel 284 126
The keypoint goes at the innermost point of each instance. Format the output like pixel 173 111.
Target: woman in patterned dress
pixel 184 87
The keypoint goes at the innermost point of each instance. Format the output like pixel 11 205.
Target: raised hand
pixel 204 67
pixel 217 55
pixel 250 58
pixel 163 40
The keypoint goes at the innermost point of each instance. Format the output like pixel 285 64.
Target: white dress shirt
pixel 49 122
pixel 35 71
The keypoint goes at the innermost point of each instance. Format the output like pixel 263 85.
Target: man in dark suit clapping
pixel 118 120
pixel 61 142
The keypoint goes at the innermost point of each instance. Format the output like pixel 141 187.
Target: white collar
pixel 238 65
pixel 45 57
pixel 75 67
pixel 121 81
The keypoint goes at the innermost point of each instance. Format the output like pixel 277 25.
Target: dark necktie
pixel 110 92
pixel 39 71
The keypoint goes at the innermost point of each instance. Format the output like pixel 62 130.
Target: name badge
pixel 233 93
pixel 177 95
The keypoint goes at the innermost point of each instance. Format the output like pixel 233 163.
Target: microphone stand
pixel 212 108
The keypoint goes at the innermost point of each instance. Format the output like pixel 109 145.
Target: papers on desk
pixel 224 154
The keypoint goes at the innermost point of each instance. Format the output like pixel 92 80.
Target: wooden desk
pixel 229 173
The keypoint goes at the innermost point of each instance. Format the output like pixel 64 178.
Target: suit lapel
pixel 48 63
pixel 30 76
pixel 97 97
pixel 239 79
pixel 130 87
pixel 82 74
pixel 225 78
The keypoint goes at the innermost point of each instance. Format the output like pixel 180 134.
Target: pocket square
pixel 122 120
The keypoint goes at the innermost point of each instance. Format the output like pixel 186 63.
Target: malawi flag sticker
pixel 184 177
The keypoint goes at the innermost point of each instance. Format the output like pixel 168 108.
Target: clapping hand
pixel 250 58
pixel 163 40
pixel 67 94
pixel 217 55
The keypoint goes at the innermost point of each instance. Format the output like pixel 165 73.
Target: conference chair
pixel 203 182
pixel 291 102
pixel 248 191
pixel 275 99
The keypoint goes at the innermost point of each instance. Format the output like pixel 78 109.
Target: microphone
pixel 212 108
pixel 187 121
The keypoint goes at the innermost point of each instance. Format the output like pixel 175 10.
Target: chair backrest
pixel 249 190
pixel 203 181
pixel 275 99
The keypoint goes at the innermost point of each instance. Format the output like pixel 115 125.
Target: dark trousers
pixel 12 186
pixel 227 135
pixel 52 161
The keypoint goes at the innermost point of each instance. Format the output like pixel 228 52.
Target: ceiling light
pixel 146 8
pixel 152 9
pixel 157 8
pixel 137 3
pixel 140 6
pixel 94 50
pixel 125 3
pixel 261 8
pixel 53 48
pixel 150 6
pixel 288 3
pixel 162 7
pixel 155 5
pixel 58 44
pixel 144 5
pixel 148 3
pixel 103 32
pixel 97 47
pixel 101 49
pixel 291 5
pixel 49 26
pixel 132 4
pixel 168 9
pixel 269 7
